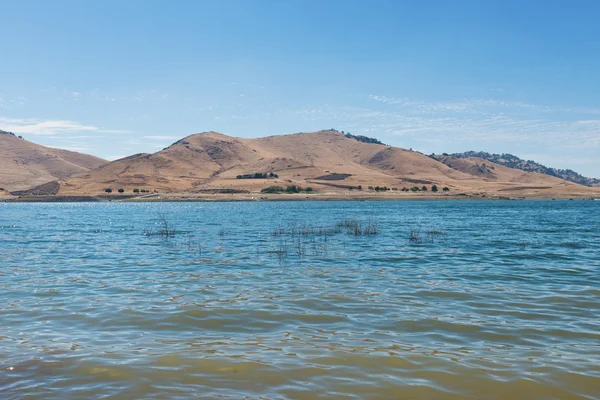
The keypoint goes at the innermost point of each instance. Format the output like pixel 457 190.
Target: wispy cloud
pixel 78 149
pixel 443 128
pixel 37 127
pixel 476 106
pixel 10 103
pixel 161 137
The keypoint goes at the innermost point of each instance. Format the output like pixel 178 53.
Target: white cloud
pixel 30 126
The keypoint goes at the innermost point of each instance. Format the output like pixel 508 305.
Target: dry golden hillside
pixel 498 178
pixel 325 159
pixel 24 164
pixel 328 161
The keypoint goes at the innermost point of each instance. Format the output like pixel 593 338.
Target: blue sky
pixel 113 78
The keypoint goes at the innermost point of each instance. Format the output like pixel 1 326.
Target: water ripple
pixel 495 300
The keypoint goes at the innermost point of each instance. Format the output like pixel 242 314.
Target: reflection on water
pixel 447 300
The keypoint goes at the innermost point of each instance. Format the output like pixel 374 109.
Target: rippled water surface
pixel 447 300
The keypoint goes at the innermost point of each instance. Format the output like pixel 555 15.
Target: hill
pixel 328 161
pixel 512 161
pixel 24 164
pixel 490 172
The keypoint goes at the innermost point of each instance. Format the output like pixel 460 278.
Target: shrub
pixel 363 139
pixel 424 188
pixel 308 190
pixel 381 188
pixel 257 175
pixel 359 187
pixel 434 188
pixel 108 191
pixel 293 189
pixel 136 190
pixel 370 187
pixel 272 189
pixel 121 190
pixel 445 189
pixel 415 189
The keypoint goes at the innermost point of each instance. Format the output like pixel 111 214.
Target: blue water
pixel 444 300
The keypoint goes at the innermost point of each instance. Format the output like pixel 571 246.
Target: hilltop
pixel 24 164
pixel 512 161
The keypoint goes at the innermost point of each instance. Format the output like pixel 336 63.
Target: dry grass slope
pixel 24 164
pixel 211 161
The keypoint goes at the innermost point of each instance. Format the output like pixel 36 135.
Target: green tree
pixel 445 189
pixel 434 188
pixel 293 189
pixel 272 189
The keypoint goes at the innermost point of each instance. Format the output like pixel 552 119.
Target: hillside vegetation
pixel 515 162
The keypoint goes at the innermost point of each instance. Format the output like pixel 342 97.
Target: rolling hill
pixel 509 160
pixel 24 164
pixel 328 161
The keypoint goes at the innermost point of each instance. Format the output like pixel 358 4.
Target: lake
pixel 300 300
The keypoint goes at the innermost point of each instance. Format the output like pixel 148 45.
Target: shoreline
pixel 271 198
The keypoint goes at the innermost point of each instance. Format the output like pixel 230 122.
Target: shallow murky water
pixel 430 300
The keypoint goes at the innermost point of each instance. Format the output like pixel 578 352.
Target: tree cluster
pixel 289 189
pixel 258 175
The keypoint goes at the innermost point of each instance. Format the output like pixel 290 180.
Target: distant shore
pixel 160 197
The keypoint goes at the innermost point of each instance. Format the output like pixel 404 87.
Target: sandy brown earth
pixel 327 161
pixel 200 166
pixel 24 164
